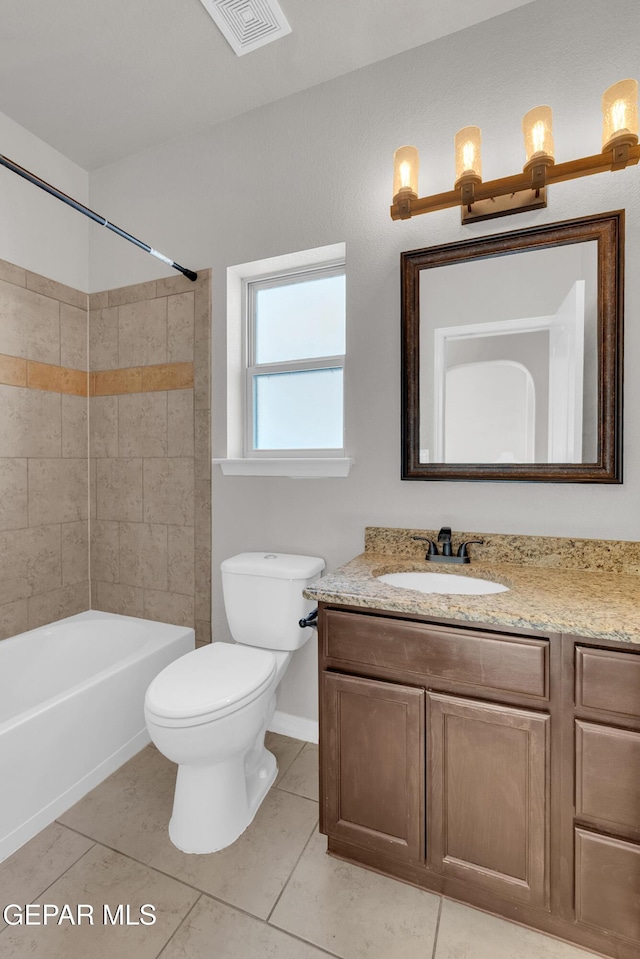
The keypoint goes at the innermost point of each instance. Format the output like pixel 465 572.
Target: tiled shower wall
pixel 149 433
pixel 44 563
pixel 141 491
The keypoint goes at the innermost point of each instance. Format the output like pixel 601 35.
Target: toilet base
pixel 213 805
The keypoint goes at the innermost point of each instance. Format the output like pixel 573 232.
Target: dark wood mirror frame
pixel 608 230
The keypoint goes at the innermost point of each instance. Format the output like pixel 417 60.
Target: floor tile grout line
pixel 179 926
pixel 168 875
pixel 64 871
pixel 265 922
pixel 295 866
pixel 435 938
pixel 208 895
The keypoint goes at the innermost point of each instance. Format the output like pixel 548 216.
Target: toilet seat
pixel 209 683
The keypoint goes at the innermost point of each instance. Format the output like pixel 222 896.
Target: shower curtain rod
pixel 32 178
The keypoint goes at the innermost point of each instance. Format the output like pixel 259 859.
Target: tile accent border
pixel 16 371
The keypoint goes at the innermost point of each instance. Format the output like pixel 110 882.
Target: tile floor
pixel 274 894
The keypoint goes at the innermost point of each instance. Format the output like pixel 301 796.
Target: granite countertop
pixel 598 603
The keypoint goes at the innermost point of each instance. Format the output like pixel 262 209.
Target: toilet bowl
pixel 209 710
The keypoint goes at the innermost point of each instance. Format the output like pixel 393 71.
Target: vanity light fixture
pixel 527 190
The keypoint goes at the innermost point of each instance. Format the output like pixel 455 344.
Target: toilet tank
pixel 263 597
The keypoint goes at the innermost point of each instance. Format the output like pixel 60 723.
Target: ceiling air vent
pixel 248 24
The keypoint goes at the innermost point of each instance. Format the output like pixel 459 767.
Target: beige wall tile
pixel 202 445
pixel 29 324
pixel 103 416
pixel 58 490
pixel 13 370
pixel 175 608
pixel 114 598
pixel 142 333
pixel 92 489
pixel 67 601
pixel 103 339
pixel 203 583
pixel 132 294
pixel 74 426
pixel 202 514
pixel 180 560
pixel 180 327
pixel 14 619
pixel 99 301
pixel 75 553
pixel 168 491
pixel 203 632
pixel 73 337
pixel 57 291
pixel 12 273
pixel 202 355
pixel 180 425
pixel 168 376
pixel 178 283
pixel 143 555
pixel 30 562
pixel 119 489
pixel 13 493
pixel 30 422
pixel 142 424
pixel 105 551
pixel 116 382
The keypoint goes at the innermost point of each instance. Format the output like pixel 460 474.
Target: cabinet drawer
pixel 607 883
pixel 510 664
pixel 608 776
pixel 609 681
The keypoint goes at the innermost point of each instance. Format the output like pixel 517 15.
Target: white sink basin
pixel 443 583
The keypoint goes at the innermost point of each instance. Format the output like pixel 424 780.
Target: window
pixel 286 334
pixel 295 347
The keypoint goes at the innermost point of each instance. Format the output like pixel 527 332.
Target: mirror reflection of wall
pixel 517 320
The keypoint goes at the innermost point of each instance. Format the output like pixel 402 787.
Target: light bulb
pixel 468 155
pixel 405 173
pixel 620 115
pixel 537 127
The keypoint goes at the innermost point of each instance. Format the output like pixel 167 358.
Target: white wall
pixel 315 169
pixel 38 232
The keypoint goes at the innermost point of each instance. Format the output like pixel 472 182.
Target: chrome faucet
pixel 433 555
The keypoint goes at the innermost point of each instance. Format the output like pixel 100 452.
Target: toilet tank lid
pixel 273 565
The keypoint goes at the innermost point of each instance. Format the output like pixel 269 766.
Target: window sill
pixel 308 468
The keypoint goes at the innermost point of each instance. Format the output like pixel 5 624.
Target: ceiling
pixel 100 81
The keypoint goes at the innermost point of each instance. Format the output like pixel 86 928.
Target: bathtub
pixel 72 711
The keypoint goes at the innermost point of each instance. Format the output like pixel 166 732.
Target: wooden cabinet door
pixel 488 796
pixel 373 764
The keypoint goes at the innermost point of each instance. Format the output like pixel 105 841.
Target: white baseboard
pixel 295 726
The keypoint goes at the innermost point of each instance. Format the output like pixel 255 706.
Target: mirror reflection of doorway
pixel 489 413
pixel 494 379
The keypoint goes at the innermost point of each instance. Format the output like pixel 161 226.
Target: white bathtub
pixel 72 711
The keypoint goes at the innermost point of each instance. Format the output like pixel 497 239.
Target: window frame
pixel 251 369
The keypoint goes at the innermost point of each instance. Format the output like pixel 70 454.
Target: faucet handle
pixel 462 549
pixel 433 549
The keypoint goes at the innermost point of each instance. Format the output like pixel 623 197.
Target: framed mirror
pixel 512 355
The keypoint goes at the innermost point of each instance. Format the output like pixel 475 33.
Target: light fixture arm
pixel 522 183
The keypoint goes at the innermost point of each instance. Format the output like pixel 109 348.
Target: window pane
pixel 301 410
pixel 300 320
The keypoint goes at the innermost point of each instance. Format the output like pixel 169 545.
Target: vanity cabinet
pixel 497 767
pixel 488 787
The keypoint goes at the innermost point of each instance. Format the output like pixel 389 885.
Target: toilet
pixel 209 710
